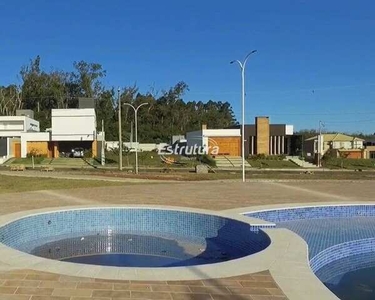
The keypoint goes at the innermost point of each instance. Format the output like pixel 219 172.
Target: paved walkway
pixel 218 195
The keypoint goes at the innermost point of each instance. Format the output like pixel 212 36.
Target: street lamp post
pixel 242 67
pixel 136 131
pixel 321 124
pixel 119 132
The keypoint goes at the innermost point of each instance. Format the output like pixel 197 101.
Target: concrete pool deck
pixel 223 195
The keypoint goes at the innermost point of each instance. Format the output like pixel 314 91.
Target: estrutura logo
pixel 188 149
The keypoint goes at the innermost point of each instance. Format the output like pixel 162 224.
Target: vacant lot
pixel 10 184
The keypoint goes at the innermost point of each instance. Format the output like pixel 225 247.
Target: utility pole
pixel 103 145
pixel 131 135
pixel 321 124
pixel 119 131
pixel 242 67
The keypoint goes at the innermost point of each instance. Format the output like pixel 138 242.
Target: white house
pixel 12 126
pixel 71 128
pixel 216 141
pixel 11 130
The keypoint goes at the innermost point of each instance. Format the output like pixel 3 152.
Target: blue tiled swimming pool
pixel 341 240
pixel 133 237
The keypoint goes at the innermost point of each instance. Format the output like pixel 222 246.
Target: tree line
pixel 165 115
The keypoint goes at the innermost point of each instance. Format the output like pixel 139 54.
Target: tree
pixel 10 100
pixel 86 79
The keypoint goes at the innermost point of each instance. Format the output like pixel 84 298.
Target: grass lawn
pixel 28 161
pixel 11 184
pixel 272 164
pixel 149 159
pixel 349 163
pixel 179 175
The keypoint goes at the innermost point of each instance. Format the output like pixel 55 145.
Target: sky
pixel 314 61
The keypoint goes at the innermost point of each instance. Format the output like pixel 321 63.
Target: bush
pixel 265 157
pixel 35 153
pixel 207 159
pixel 87 154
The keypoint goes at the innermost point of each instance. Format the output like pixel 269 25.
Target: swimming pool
pixel 133 237
pixel 341 242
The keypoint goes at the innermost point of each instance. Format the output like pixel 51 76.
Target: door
pixel 17 150
pixel 225 145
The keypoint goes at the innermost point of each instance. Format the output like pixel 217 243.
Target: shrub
pixel 207 159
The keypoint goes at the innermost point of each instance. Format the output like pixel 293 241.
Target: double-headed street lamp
pixel 136 131
pixel 242 67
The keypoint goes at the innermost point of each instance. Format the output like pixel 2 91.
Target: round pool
pixel 133 237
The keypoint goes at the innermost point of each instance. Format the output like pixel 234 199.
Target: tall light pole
pixel 242 67
pixel 321 124
pixel 136 131
pixel 119 132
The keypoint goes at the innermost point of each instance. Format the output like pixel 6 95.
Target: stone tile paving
pixel 32 285
pixel 35 285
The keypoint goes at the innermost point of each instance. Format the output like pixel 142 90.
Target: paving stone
pixel 210 290
pixel 54 277
pixel 72 292
pixel 58 284
pixel 222 282
pixel 15 297
pixel 186 282
pixel 132 287
pixel 150 295
pixel 95 285
pixel 24 283
pixel 251 291
pixel 7 290
pixel 49 298
pixel 34 291
pixel 170 288
pixel 259 284
pixel 111 294
pixel 181 296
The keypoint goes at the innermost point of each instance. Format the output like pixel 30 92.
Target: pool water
pixel 340 243
pixel 355 285
pixel 125 260
pixel 129 250
pixel 133 237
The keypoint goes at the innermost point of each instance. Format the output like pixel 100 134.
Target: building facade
pixel 268 139
pixel 11 130
pixel 71 128
pixel 260 138
pixel 339 144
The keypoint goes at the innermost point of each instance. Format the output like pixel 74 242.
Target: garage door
pixel 230 146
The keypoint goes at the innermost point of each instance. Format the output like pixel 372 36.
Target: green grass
pixel 148 159
pixel 28 161
pixel 349 163
pixel 272 164
pixel 12 184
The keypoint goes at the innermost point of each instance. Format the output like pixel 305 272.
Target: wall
pixel 109 145
pixel 33 137
pixel 195 138
pixel 73 124
pixel 31 125
pixel 352 154
pixel 13 126
pixel 263 135
pixel 3 147
pixel 369 150
pixel 38 148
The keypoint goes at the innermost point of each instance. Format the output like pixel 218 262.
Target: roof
pixel 337 137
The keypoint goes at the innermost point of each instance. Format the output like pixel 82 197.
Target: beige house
pixel 351 147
